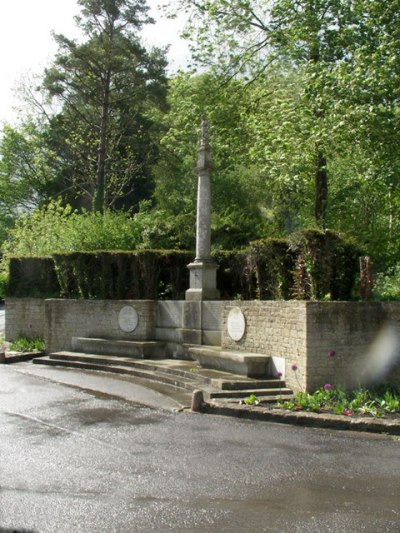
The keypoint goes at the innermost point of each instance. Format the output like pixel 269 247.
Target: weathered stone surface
pixel 242 363
pixel 298 336
pixel 203 279
pixel 94 318
pixel 24 317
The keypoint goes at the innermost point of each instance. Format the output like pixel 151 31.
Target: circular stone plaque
pixel 128 319
pixel 236 324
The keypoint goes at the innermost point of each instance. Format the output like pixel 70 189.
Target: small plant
pixel 22 344
pixel 252 400
pixel 359 402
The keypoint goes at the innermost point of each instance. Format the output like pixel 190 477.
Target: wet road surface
pixel 74 460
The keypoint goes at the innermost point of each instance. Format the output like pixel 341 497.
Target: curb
pixel 19 357
pixel 372 425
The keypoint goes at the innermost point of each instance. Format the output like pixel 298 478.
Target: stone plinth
pixel 203 276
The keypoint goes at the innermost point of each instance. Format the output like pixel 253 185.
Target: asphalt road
pixel 75 460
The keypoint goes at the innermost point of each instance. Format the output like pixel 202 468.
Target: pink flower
pixel 327 386
pixel 347 412
pixel 294 367
pixel 279 374
pixel 332 353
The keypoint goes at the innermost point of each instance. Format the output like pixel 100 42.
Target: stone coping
pixel 304 418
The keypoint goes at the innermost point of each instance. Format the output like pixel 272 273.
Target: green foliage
pixel 360 401
pixel 93 135
pixel 3 284
pixel 55 228
pixel 146 274
pixel 122 275
pixel 22 344
pixel 32 276
pixel 272 263
pixel 387 286
pixel 323 116
pixel 266 270
pixel 252 400
pixel 237 217
pixel 326 265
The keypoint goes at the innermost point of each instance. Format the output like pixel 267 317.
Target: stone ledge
pixel 243 363
pixel 372 425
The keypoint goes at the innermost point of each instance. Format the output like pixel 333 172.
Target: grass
pixel 378 402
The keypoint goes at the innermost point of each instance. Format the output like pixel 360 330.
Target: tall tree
pixel 243 37
pixel 106 86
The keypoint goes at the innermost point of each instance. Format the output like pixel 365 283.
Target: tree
pixel 244 37
pixel 237 214
pixel 106 87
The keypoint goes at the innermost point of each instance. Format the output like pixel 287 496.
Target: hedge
pixel 309 265
pixel 32 276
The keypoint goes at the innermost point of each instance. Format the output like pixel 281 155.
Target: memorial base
pixel 203 281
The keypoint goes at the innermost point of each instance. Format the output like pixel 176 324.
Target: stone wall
pixel 274 328
pixel 341 343
pixel 182 322
pixel 311 343
pixel 352 343
pixel 24 318
pixel 94 318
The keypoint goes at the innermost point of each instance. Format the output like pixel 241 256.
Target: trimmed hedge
pixel 326 265
pixel 117 275
pixel 33 277
pixel 310 265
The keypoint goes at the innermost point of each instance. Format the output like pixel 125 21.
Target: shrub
pixel 21 344
pixel 326 265
pixel 123 275
pixel 32 276
pixel 58 229
pixel 272 264
pixel 3 284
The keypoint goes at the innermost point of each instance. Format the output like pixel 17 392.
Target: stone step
pixel 243 363
pixel 247 392
pixel 148 375
pixel 117 347
pixel 263 399
pixel 168 373
pixel 239 384
pixel 161 365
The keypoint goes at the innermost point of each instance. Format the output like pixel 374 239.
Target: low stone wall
pixel 189 322
pixel 352 343
pixel 341 343
pixel 274 328
pixel 94 318
pixel 311 343
pixel 24 317
pixel 177 323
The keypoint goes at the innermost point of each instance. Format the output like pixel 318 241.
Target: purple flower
pixel 294 367
pixel 327 386
pixel 279 374
pixel 332 353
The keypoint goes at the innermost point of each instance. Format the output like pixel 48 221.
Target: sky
pixel 26 45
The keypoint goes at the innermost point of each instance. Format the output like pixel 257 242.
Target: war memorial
pixel 260 345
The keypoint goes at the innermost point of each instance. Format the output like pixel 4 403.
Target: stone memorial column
pixel 203 271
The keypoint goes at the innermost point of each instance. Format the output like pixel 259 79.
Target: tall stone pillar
pixel 203 271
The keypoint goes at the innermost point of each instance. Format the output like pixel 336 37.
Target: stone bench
pixel 247 364
pixel 124 348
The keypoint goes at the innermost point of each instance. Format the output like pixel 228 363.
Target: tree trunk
pixel 321 188
pixel 99 199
